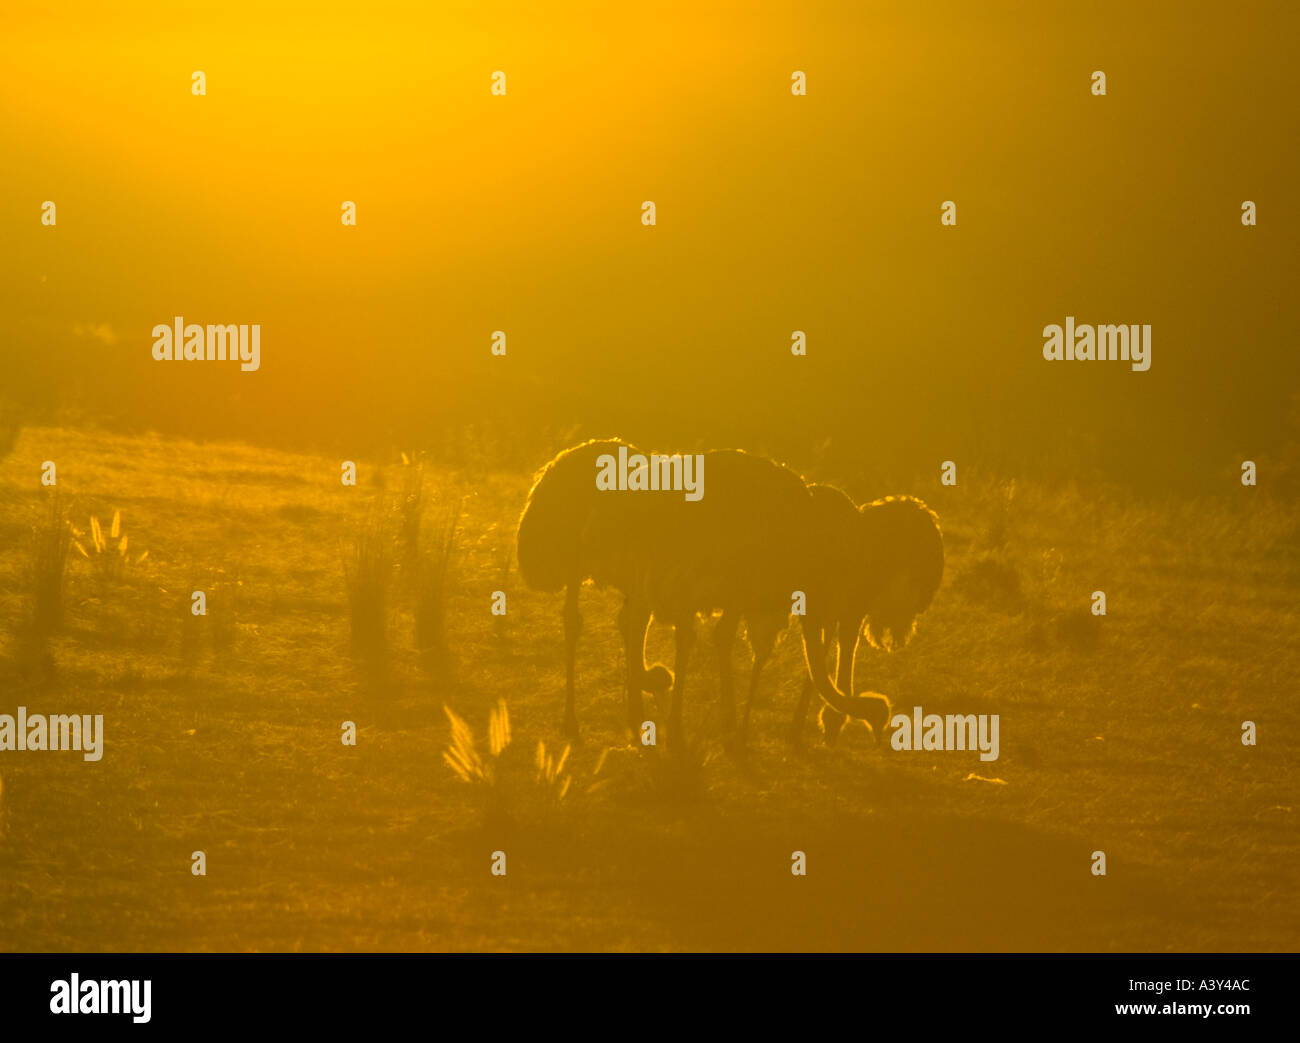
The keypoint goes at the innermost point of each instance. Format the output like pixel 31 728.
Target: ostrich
pixel 744 548
pixel 571 531
pixel 889 556
pixel 827 579
pixel 877 567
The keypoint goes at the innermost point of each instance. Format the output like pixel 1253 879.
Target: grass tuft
pixel 52 539
pixel 368 570
pixel 433 581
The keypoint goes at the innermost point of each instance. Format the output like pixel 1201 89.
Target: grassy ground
pixel 223 732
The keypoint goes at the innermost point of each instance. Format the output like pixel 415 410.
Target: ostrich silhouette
pixel 757 535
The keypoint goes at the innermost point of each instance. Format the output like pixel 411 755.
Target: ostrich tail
pixel 557 517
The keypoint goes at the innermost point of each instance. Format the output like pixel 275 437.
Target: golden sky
pixel 775 213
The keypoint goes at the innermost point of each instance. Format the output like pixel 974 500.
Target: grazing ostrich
pixel 827 578
pixel 878 567
pixel 888 574
pixel 742 548
pixel 572 531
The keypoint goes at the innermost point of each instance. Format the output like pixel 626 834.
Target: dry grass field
pixel 328 604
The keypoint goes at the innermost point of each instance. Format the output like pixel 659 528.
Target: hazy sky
pixel 775 213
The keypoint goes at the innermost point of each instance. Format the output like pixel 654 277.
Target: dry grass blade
pixel 462 755
pixel 550 772
pixel 499 728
